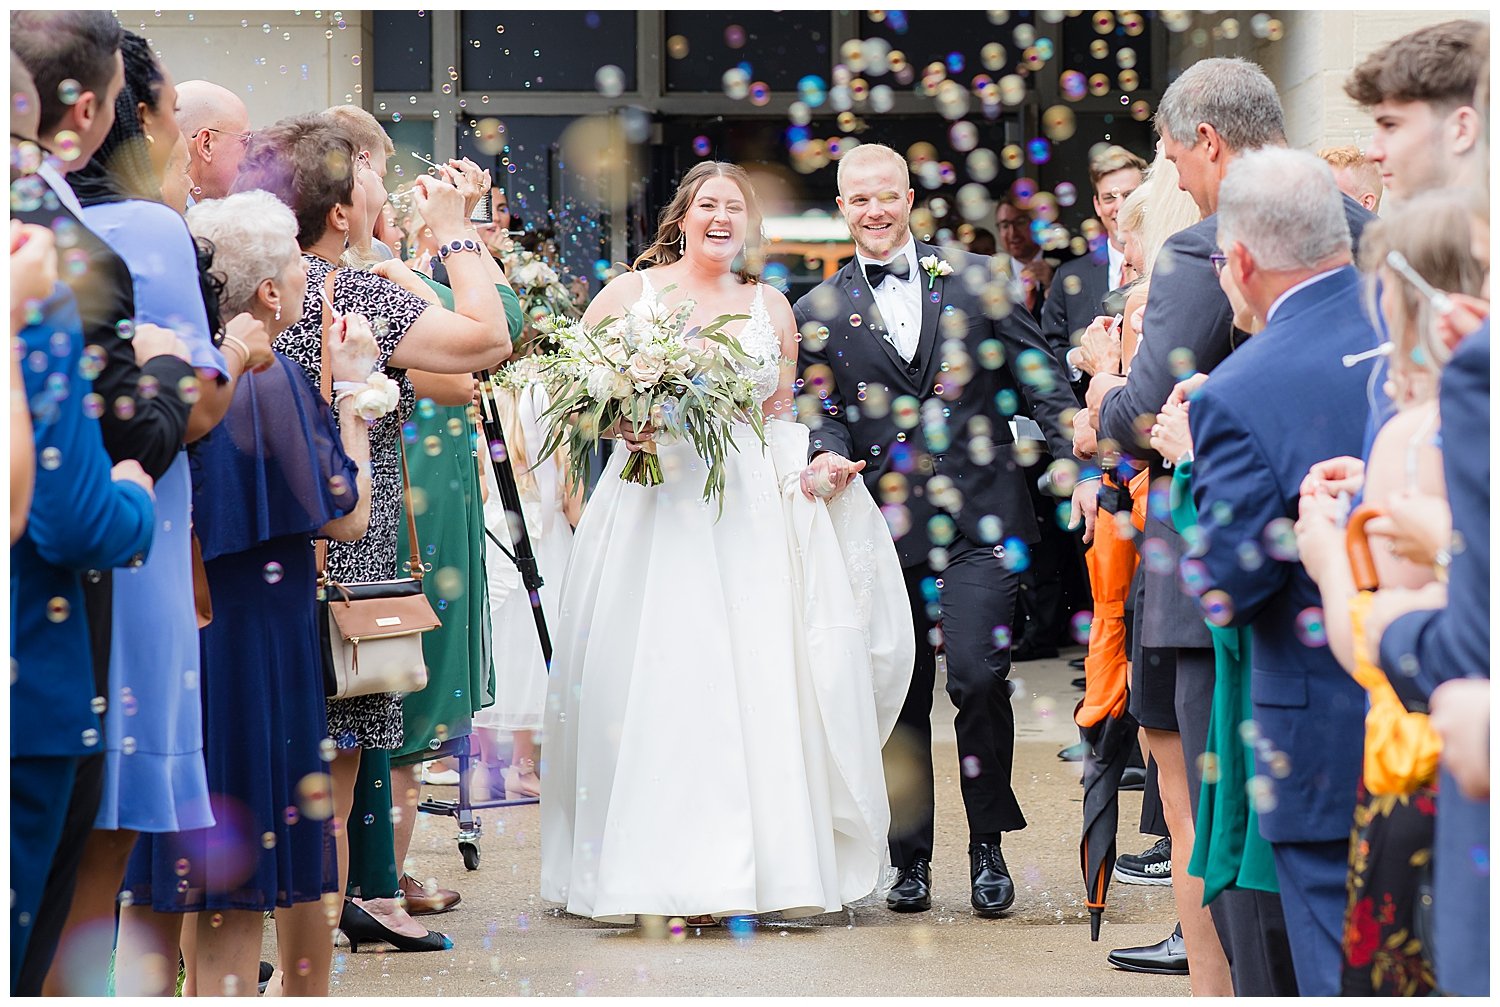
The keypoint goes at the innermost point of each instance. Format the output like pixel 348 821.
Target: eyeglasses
pixel 1218 259
pixel 245 137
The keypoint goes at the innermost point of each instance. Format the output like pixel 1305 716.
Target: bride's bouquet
pixel 640 370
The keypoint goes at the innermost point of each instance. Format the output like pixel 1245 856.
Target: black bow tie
pixel 876 272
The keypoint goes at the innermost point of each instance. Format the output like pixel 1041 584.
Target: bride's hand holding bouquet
pixel 641 377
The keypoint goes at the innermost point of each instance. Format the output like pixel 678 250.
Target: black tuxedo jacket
pixel 1069 311
pixel 934 432
pixel 1073 302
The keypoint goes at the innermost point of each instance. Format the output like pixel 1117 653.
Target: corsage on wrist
pixel 372 398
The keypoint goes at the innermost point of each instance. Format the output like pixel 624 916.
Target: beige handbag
pixel 373 632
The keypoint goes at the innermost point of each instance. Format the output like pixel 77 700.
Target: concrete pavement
pixel 507 942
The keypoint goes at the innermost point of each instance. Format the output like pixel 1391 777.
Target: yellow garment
pixel 1401 747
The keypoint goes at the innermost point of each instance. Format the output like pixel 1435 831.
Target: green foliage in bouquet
pixel 641 371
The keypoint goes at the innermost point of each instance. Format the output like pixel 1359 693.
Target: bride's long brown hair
pixel 669 226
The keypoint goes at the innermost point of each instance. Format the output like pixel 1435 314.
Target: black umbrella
pixel 1105 723
pixel 1110 743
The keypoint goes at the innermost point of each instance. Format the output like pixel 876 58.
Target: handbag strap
pixel 325 388
pixel 1357 545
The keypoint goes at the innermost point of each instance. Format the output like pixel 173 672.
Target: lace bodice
pixel 758 338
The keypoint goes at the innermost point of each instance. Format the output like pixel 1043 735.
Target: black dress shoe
pixel 992 891
pixel 1134 778
pixel 1167 958
pixel 1081 683
pixel 912 892
pixel 1076 664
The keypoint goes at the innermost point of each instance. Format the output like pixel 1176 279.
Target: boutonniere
pixel 935 267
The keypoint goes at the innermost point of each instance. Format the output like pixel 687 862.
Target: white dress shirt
pixel 900 302
pixel 1116 265
pixel 1271 311
pixel 59 185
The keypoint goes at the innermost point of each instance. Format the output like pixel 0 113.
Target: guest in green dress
pixel 441 446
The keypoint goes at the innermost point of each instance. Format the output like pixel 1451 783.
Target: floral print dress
pixel 364 721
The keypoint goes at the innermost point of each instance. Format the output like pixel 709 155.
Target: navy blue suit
pixel 1421 650
pixel 1277 405
pixel 79 520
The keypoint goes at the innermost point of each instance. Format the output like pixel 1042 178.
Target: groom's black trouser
pixel 977 595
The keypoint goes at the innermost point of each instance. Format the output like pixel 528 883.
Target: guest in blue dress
pixel 153 772
pixel 82 517
pixel 276 472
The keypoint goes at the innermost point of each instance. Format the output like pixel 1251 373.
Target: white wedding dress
pixel 722 686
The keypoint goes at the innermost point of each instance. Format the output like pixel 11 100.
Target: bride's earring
pixel 682 243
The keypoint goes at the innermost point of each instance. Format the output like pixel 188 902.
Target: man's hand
pixel 1391 603
pixel 1099 350
pixel 1416 526
pixel 130 471
pixel 1085 508
pixel 154 341
pixel 828 475
pixel 1039 273
pixel 1085 437
pixel 1344 474
pixel 1460 714
pixel 1099 386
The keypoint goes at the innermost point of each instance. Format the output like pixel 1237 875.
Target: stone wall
pixel 278 62
pixel 1313 59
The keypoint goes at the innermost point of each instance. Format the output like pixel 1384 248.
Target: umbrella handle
pixel 1357 544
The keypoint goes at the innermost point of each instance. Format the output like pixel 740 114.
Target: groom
pixel 915 382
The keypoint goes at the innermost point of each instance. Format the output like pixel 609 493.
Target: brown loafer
pixel 423 901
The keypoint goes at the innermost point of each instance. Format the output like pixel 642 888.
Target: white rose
pixel 379 396
pixel 601 383
pixel 646 368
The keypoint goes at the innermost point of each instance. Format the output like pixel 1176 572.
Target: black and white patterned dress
pixel 364 721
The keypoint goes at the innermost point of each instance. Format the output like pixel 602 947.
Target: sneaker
pixel 1154 867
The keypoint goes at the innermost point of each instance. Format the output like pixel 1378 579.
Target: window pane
pixel 410 134
pixel 777 48
pixel 954 38
pixel 550 51
pixel 403 51
pixel 1080 51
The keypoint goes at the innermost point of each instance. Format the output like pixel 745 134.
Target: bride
pixel 723 684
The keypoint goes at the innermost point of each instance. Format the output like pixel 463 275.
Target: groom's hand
pixel 828 475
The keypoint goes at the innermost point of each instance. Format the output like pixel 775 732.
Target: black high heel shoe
pixel 362 928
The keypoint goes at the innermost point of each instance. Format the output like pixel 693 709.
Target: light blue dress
pixel 154 776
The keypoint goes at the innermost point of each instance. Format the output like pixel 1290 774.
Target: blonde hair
pixel 1167 211
pixel 664 250
pixel 871 151
pixel 1432 231
pixel 1366 171
pixel 363 128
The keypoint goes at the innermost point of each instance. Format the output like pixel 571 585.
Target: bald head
pixel 217 125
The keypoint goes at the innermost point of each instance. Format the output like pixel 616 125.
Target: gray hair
pixel 869 152
pixel 1234 96
pixel 1284 206
pixel 254 236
